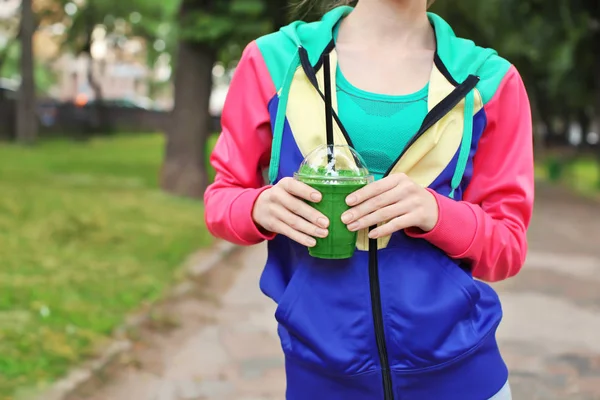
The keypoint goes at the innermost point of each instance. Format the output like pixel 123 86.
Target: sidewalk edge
pixel 197 264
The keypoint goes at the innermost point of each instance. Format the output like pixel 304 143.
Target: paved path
pixel 550 336
pixel 223 345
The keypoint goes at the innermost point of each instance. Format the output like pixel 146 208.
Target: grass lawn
pixel 86 237
pixel 581 174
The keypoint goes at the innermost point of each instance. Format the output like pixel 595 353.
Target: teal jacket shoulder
pixel 278 51
pixel 280 48
pixel 462 57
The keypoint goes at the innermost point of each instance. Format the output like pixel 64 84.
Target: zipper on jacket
pixel 311 74
pixel 438 112
pixel 388 390
pixel 441 109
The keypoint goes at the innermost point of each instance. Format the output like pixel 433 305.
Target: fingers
pixel 300 208
pixel 298 223
pixel 381 215
pixel 300 190
pixel 396 224
pixel 397 193
pixel 290 216
pixel 281 228
pixel 371 205
pixel 374 189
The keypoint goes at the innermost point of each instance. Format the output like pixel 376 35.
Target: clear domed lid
pixel 333 162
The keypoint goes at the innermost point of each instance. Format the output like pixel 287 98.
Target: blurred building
pixel 115 79
pixel 8 20
pixel 8 8
pixel 116 68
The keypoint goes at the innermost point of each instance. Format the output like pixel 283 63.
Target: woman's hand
pixel 396 199
pixel 281 210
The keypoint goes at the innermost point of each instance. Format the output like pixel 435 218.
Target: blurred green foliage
pixel 149 19
pixel 555 44
pixel 45 77
pixel 581 174
pixel 210 145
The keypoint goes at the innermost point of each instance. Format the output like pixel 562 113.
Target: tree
pixel 26 106
pixel 183 170
pixel 208 27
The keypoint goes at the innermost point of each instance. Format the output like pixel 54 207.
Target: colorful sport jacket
pixel 403 318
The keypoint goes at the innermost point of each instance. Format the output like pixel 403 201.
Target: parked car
pixel 8 89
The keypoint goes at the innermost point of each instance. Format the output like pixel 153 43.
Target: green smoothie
pixel 340 243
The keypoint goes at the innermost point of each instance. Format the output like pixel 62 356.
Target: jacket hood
pixel 460 57
pixel 315 37
pixel 299 48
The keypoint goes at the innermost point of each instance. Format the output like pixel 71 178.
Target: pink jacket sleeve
pixel 488 228
pixel 241 153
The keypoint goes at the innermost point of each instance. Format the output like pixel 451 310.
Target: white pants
pixel 503 394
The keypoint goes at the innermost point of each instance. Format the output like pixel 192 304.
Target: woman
pixel 445 127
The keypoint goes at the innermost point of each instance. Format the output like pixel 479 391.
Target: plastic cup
pixel 336 172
